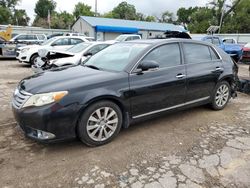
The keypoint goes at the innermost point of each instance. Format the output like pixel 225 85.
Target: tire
pixel 221 96
pixel 93 128
pixel 33 59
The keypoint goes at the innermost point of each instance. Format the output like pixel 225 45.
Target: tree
pixel 184 14
pixel 125 11
pixel 221 10
pixel 166 17
pixel 82 10
pixel 201 19
pixel 43 7
pixel 238 21
pixel 150 19
pixel 62 20
pixel 108 15
pixel 10 4
pixel 5 16
pixel 20 16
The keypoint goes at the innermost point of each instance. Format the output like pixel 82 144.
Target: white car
pixel 72 56
pixel 128 37
pixel 29 38
pixel 29 53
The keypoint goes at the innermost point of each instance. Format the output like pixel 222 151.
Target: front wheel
pixel 100 123
pixel 221 95
pixel 33 59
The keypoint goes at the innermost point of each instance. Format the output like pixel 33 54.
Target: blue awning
pixel 100 28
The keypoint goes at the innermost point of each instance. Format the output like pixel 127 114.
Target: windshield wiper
pixel 92 66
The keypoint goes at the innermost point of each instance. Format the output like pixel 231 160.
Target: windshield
pixel 79 47
pixel 47 41
pixel 120 38
pixel 116 57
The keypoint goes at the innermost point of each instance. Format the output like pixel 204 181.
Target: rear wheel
pixel 100 123
pixel 221 95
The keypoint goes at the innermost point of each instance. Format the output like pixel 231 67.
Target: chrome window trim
pixel 215 50
pixel 172 107
pixel 150 50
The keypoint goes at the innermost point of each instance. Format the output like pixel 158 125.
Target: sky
pixel 148 7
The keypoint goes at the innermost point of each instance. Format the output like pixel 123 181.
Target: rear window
pixel 196 53
pixel 41 37
pixel 214 55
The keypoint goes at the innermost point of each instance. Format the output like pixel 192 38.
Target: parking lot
pixel 193 148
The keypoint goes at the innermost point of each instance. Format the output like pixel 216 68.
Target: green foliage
pixel 184 15
pixel 10 4
pixel 150 19
pixel 124 11
pixel 201 19
pixel 82 9
pixel 166 17
pixel 128 12
pixel 238 20
pixel 62 20
pixel 43 7
pixel 21 17
pixel 10 15
pixel 5 16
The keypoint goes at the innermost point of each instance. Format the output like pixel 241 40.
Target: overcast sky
pixel 149 7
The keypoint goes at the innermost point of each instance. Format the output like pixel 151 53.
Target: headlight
pixel 44 98
pixel 24 50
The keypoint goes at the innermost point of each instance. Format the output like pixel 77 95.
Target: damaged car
pixel 73 56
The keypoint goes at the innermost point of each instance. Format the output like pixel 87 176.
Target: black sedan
pixel 123 83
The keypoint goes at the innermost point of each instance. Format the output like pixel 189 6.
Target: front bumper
pixel 54 120
pixel 22 57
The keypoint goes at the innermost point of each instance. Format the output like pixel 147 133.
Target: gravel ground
pixel 193 148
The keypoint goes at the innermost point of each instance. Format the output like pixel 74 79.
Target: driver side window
pixel 166 55
pixel 61 42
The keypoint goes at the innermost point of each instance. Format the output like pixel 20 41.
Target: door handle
pixel 218 69
pixel 179 76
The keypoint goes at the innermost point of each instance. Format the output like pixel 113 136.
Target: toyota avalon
pixel 125 82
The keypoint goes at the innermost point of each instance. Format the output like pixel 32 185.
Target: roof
pixel 140 25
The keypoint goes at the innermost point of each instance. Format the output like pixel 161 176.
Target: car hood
pixel 232 47
pixel 246 49
pixel 62 52
pixel 65 79
pixel 29 46
pixel 67 60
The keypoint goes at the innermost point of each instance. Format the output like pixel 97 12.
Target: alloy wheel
pixel 102 124
pixel 222 95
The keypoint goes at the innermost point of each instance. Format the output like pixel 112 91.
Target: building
pixel 108 29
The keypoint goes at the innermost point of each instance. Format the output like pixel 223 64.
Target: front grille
pixel 19 98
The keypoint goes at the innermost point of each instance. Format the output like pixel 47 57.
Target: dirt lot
pixel 193 148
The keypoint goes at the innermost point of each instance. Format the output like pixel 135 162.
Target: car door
pixel 204 67
pixel 75 41
pixel 159 89
pixel 61 44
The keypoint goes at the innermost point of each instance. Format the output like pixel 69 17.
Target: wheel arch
pixel 111 98
pixel 228 79
pixel 36 53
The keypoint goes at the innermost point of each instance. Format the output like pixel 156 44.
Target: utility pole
pixel 96 8
pixel 222 15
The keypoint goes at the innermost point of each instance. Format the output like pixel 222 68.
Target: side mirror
pixel 87 54
pixel 147 65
